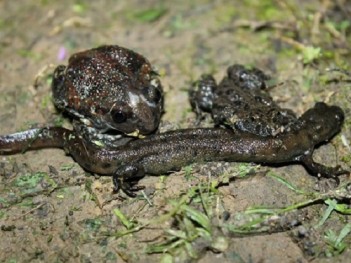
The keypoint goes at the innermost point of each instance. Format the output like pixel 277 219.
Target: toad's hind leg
pixel 126 178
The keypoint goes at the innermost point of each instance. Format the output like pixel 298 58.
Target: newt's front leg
pixel 126 179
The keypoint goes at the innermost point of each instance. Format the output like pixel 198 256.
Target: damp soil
pixel 51 210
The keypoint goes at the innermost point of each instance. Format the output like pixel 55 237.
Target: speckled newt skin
pixel 166 152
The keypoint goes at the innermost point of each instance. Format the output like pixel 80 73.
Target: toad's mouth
pixel 111 131
pixel 136 134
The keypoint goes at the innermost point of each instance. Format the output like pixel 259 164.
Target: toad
pixel 109 90
pixel 241 102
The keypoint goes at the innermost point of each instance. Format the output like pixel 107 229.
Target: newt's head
pixel 323 121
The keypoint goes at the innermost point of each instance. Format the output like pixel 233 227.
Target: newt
pixel 166 152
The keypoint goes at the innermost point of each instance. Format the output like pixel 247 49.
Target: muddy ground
pixel 54 211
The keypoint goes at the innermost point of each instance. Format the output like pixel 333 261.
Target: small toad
pixel 241 101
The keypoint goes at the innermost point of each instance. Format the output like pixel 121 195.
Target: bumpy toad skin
pixel 109 88
pixel 241 102
pixel 165 152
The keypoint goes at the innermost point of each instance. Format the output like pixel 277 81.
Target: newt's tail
pixel 20 142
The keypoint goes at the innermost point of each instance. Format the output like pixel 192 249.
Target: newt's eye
pixel 118 116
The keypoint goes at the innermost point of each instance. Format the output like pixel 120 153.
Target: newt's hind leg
pixel 320 170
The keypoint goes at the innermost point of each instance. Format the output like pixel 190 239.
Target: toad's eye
pixel 157 95
pixel 152 93
pixel 118 116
